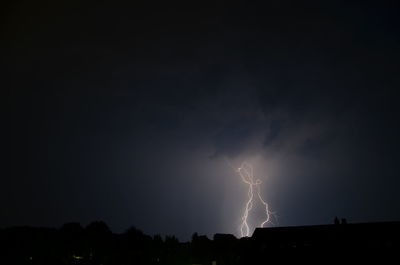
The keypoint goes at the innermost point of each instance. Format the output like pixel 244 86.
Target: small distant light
pixel 30 258
pixel 77 257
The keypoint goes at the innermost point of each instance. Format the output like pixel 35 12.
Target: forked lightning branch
pixel 246 173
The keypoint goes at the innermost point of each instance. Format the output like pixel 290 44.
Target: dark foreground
pixel 96 244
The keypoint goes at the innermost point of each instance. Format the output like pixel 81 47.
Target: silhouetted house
pixel 343 236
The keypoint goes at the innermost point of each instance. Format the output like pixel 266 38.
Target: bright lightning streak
pixel 246 173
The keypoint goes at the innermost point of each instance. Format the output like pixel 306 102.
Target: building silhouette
pixel 96 244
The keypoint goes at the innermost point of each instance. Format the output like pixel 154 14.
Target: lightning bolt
pixel 246 173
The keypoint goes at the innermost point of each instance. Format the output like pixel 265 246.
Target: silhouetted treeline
pixel 96 244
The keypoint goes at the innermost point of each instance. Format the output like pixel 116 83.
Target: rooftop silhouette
pixel 96 244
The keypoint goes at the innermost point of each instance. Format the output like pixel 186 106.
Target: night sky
pixel 135 115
